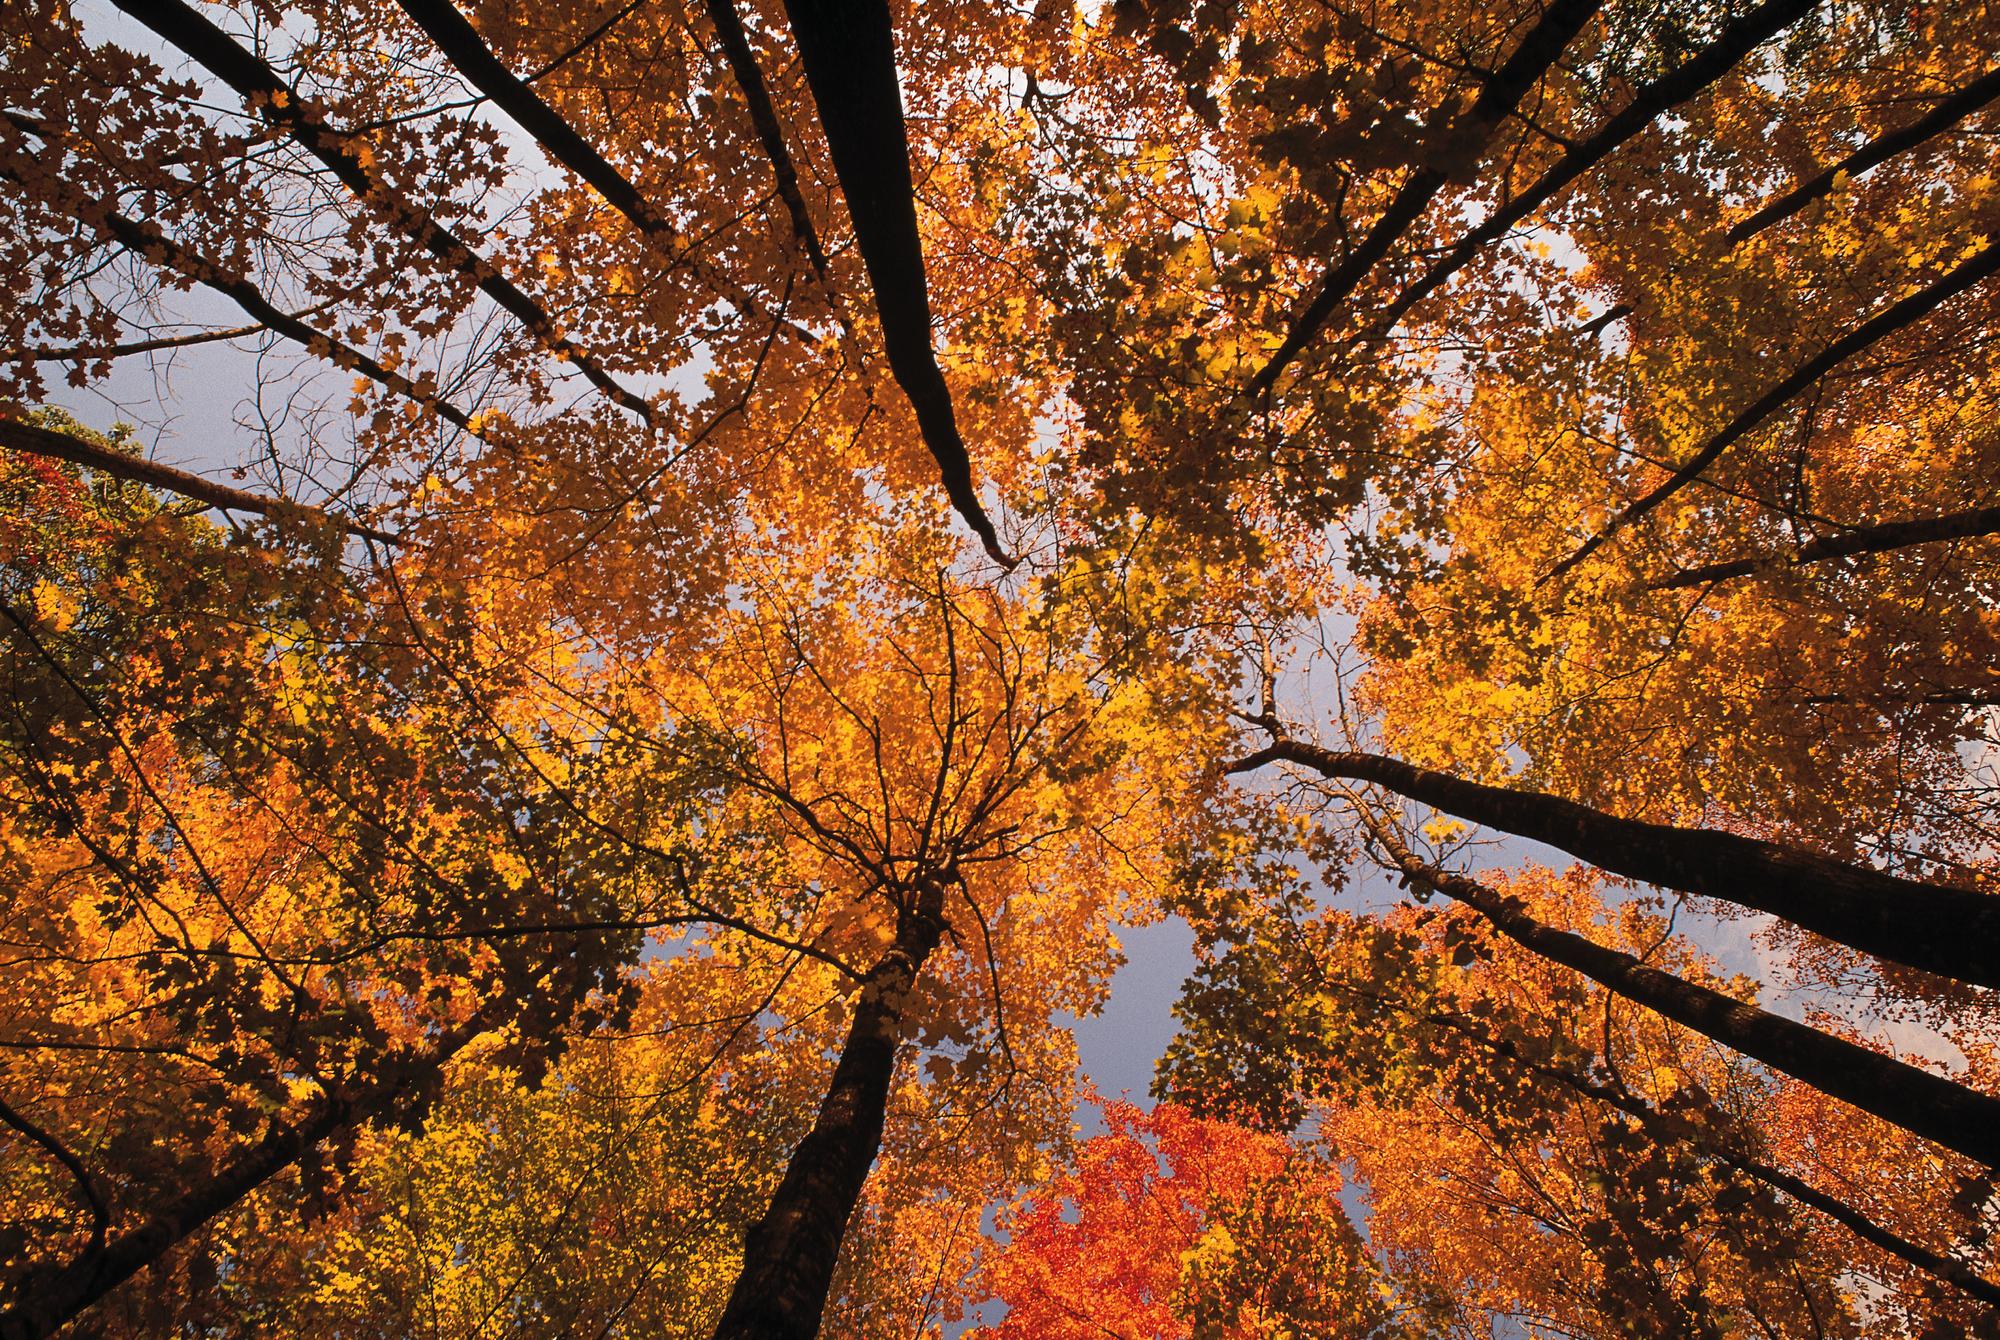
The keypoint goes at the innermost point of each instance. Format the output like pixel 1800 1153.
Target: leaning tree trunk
pixel 789 1254
pixel 1951 932
pixel 1956 1273
pixel 56 1299
pixel 1926 1104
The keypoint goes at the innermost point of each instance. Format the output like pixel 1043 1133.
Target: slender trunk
pixel 1877 539
pixel 279 105
pixel 789 1254
pixel 1926 1104
pixel 472 58
pixel 1941 118
pixel 52 1302
pixel 1951 932
pixel 848 49
pixel 1956 1273
pixel 770 134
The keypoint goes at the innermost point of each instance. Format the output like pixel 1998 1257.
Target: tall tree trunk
pixel 51 1302
pixel 1951 932
pixel 1917 1100
pixel 1956 1273
pixel 1877 539
pixel 789 1254
pixel 848 48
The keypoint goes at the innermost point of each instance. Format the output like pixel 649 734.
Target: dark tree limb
pixel 49 1303
pixel 789 1254
pixel 1915 1099
pixel 1948 113
pixel 278 104
pixel 1956 1273
pixel 86 1185
pixel 468 53
pixel 1904 312
pixel 1877 539
pixel 1500 93
pixel 145 239
pixel 82 353
pixel 36 441
pixel 1951 932
pixel 770 135
pixel 849 53
pixel 1737 39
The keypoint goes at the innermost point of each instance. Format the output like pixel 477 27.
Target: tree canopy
pixel 758 535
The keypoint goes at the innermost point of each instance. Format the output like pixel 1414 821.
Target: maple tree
pixel 767 531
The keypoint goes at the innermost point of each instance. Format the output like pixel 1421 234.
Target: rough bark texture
pixel 1917 1100
pixel 849 53
pixel 789 1254
pixel 1951 932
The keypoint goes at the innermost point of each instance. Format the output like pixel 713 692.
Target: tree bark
pixel 1500 92
pixel 789 1254
pixel 849 52
pixel 1877 539
pixel 35 441
pixel 1926 1104
pixel 1951 932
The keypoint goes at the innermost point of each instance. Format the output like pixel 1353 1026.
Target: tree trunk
pixel 1878 539
pixel 1917 1100
pixel 789 1254
pixel 1951 932
pixel 1500 92
pixel 848 49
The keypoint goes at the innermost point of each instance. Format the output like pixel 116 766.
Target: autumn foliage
pixel 607 610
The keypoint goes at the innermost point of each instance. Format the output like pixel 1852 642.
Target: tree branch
pixel 35 441
pixel 1880 538
pixel 1904 312
pixel 1499 94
